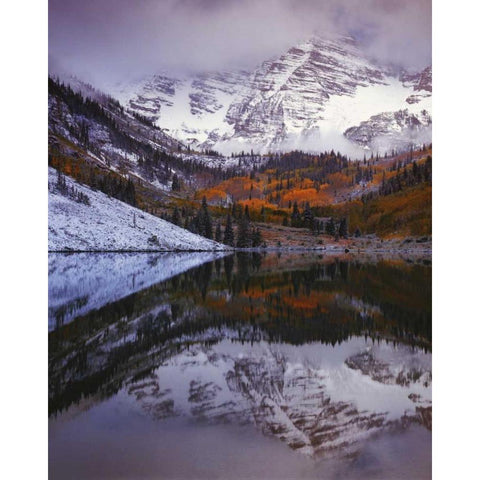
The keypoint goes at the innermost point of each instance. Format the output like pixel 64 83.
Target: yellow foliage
pixel 307 195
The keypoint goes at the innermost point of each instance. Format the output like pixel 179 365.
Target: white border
pixel 24 238
pixel 456 189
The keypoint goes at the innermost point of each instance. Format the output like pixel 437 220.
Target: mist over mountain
pixel 267 76
pixel 116 39
pixel 322 93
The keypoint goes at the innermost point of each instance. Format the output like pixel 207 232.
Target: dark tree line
pixel 200 222
pixel 109 183
pixel 153 161
pixel 114 186
pixel 404 178
pixel 228 234
pixel 314 167
pixel 62 187
pixel 196 221
pixel 145 120
pixel 211 153
pixel 248 236
pixel 307 219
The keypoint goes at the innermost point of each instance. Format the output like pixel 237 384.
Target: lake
pixel 248 365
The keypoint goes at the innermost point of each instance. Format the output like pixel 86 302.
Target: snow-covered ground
pixel 108 224
pixel 81 282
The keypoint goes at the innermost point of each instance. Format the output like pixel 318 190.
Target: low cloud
pixel 109 40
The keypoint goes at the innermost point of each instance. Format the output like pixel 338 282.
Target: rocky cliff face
pixel 290 94
pixel 153 94
pixel 420 81
pixel 392 129
pixel 410 125
pixel 321 86
pixel 192 108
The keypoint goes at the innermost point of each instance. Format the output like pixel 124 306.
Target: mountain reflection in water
pixel 320 353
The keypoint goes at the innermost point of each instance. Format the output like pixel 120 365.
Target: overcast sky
pixel 108 40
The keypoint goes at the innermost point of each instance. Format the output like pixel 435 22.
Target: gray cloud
pixel 105 40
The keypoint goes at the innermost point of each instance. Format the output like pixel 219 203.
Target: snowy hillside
pixel 109 224
pixel 306 98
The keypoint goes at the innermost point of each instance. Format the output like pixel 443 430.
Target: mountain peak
pixel 316 89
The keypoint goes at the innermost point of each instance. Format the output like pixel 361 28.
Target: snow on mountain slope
pixel 288 94
pixel 78 284
pixel 305 98
pixel 404 119
pixel 420 81
pixel 61 120
pixel 189 108
pixel 393 129
pixel 343 112
pixel 109 224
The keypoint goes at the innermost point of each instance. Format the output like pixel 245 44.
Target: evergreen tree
pixel 330 228
pixel 192 225
pixel 203 221
pixel 263 213
pixel 218 233
pixel 228 235
pixel 176 216
pixel 243 233
pixel 237 211
pixel 343 228
pixel 175 183
pixel 256 236
pixel 61 182
pixel 296 219
pixel 308 217
pixel 207 219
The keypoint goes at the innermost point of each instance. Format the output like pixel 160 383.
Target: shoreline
pixel 325 249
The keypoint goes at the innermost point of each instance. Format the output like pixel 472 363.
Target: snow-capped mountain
pixel 421 83
pixel 95 130
pixel 309 96
pixel 392 129
pixel 189 108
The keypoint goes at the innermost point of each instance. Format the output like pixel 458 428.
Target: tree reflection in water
pixel 247 297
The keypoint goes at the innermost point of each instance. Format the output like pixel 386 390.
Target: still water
pixel 239 366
